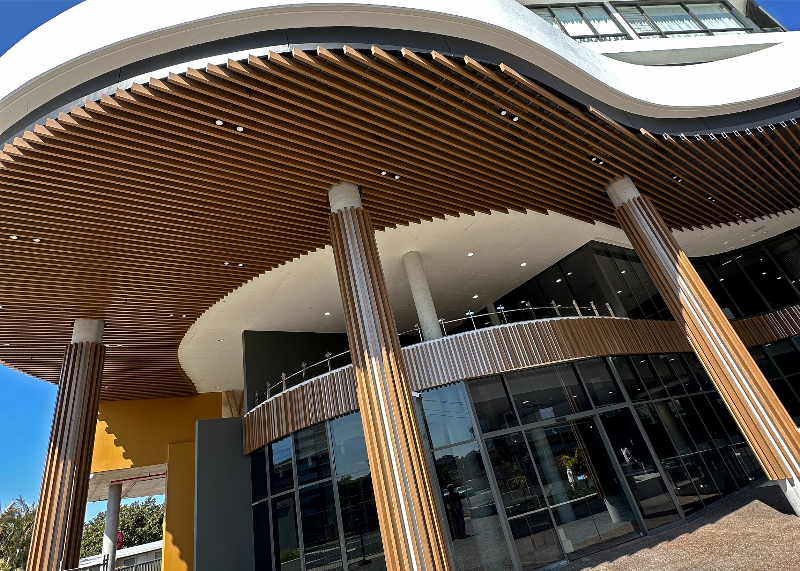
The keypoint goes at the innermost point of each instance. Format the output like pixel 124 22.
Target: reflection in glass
pixel 262 545
pixel 644 479
pixel 492 406
pixel 546 392
pixel 535 539
pixel 281 475
pixel 681 370
pixel 633 385
pixel 767 278
pixel 287 545
pixel 737 285
pixel 786 252
pixel 513 471
pixel 349 446
pixel 447 416
pixel 555 288
pixel 662 366
pixel 320 530
pixel 653 384
pixel 720 439
pixel 362 534
pixel 683 485
pixel 744 454
pixel 671 18
pixel 313 462
pixel 472 518
pixel 599 384
pixel 699 373
pixel 589 505
pixel 785 356
pixel 716 289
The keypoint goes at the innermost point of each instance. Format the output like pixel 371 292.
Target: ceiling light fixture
pixel 474 297
pixel 14 237
pixel 37 240
pixel 327 313
pixel 383 173
pixel 595 159
pixel 676 178
pixel 558 281
pixel 219 122
pixel 226 263
pixel 620 291
pixel 240 129
pixel 184 315
pixel 397 177
pixel 240 265
pixel 172 315
pixel 523 264
pixel 470 254
pixel 503 112
pixel 515 118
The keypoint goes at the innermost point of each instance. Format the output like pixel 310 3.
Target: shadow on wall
pixel 178 544
pixel 138 433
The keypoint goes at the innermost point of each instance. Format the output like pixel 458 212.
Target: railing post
pixel 578 309
pixel 441 322
pixel 610 311
pixel 555 307
pixel 419 330
pixel 328 356
pixel 503 313
pixel 283 381
pixel 594 307
pixel 470 313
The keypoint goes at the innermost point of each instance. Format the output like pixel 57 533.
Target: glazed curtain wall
pixel 746 282
pixel 533 467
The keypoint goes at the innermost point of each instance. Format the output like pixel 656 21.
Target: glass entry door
pixel 586 499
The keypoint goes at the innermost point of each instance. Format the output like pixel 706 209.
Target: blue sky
pixel 26 404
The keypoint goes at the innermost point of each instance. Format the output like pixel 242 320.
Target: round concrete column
pixel 112 525
pixel 426 311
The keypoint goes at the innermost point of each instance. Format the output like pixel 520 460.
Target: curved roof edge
pixel 94 52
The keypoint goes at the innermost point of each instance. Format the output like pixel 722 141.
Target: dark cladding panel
pixel 223 517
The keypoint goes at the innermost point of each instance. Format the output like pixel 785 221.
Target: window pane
pixel 572 22
pixel 633 386
pixel 320 530
pixel 788 398
pixel 720 438
pixel 688 380
pixel 519 487
pixel 640 306
pixel 547 392
pixel 682 484
pixel 644 479
pixel 545 15
pixel 472 518
pixel 715 288
pixel 661 364
pixel 715 16
pixel 263 547
pixel 287 545
pixel 281 475
pixel 313 462
pixel 671 18
pixel 447 416
pixel 349 446
pixel 599 384
pixel 492 406
pixel 738 286
pixel 584 279
pixel 775 289
pixel 653 384
pixel 743 452
pixel 587 501
pixel 362 534
pixel 555 288
pixel 639 23
pixel 785 356
pixel 764 363
pixel 258 474
pixel 653 295
pixel 698 371
pixel 600 20
pixel 786 252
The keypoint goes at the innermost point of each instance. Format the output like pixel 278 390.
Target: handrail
pixel 501 314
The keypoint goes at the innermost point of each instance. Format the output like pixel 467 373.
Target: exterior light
pixel 219 122
pixel 523 264
pixel 475 296
pixel 226 263
pixel 172 315
pixel 397 177
pixel 240 129
pixel 240 265
pixel 470 254
pixel 558 281
pixel 184 315
pixel 622 272
pixel 503 112
pixel 515 118
pixel 327 313
pixel 37 240
pixel 569 273
pixel 220 339
pixel 14 237
pixel 620 291
pixel 676 178
pixel 383 173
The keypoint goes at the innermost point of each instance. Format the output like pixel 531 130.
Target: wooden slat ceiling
pixel 139 200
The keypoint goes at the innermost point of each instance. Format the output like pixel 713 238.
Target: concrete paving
pixel 752 532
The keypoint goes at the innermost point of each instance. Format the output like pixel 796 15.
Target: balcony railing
pixel 148 566
pixel 472 321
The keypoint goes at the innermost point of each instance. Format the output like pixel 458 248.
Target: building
pixel 145 557
pixel 558 239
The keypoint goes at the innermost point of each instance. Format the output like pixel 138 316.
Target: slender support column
pixel 411 527
pixel 112 525
pixel 760 415
pixel 65 483
pixel 423 301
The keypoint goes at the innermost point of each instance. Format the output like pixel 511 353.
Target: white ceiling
pixel 138 482
pixel 296 296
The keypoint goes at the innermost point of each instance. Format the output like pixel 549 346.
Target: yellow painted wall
pixel 178 546
pixel 137 432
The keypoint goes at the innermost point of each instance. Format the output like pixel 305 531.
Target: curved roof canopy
pixel 147 207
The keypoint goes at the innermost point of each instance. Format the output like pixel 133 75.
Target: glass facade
pixel 533 467
pixel 594 22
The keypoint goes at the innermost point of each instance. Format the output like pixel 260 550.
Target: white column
pixel 112 525
pixel 426 311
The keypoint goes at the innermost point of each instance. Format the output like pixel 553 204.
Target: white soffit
pixel 138 482
pixel 296 296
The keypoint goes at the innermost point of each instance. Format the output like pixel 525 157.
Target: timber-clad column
pixel 411 529
pixel 65 483
pixel 760 415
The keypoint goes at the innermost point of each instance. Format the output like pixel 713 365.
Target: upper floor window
pixel 583 23
pixel 684 19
